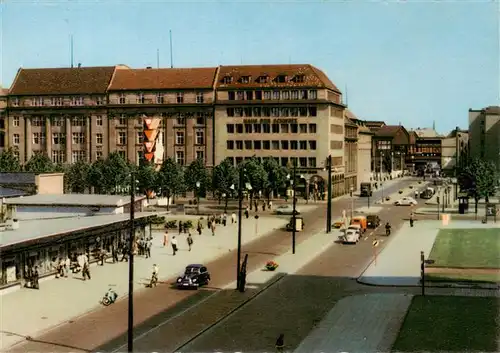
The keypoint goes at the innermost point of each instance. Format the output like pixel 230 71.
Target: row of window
pixel 58 101
pixel 159 98
pixel 271 145
pixel 275 95
pixel 81 121
pixel 180 156
pixel 268 128
pixel 59 138
pixel 199 138
pixel 303 162
pixel 272 112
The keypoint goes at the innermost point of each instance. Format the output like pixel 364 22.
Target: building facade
pixel 176 105
pixel 484 134
pixel 364 150
pixel 3 118
pixel 389 150
pixel 57 111
pixel 292 113
pixel 350 154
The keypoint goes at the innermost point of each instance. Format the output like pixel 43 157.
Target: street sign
pixel 375 243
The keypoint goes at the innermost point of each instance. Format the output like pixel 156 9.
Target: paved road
pixel 105 328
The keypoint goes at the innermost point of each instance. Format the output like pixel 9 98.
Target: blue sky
pixel 412 62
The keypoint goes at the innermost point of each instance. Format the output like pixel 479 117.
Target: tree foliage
pixel 147 177
pixel 255 174
pixel 276 176
pixel 39 163
pixel 224 176
pixel 77 177
pixel 171 178
pixel 9 163
pixel 95 177
pixel 196 172
pixel 479 178
pixel 116 173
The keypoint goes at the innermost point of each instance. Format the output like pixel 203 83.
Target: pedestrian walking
pixel 247 212
pixel 124 254
pixel 114 254
pixel 80 261
pixel 233 218
pixel 67 266
pixel 199 227
pixel 270 205
pixel 35 276
pixel 174 245
pixel 149 245
pixel 224 219
pixel 213 228
pixel 165 238
pixel 180 227
pixel 86 271
pixel 280 343
pixel 189 241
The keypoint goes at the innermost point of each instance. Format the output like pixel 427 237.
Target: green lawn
pixel 458 277
pixel 453 324
pixel 467 248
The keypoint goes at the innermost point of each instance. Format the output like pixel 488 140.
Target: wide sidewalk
pixel 27 312
pixel 398 264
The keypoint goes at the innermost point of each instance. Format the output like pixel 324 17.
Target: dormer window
pixel 262 79
pixel 299 79
pixel 281 78
pixel 245 79
pixel 227 80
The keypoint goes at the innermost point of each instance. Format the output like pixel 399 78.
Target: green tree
pixel 146 175
pixel 196 172
pixel 170 179
pixel 479 179
pixel 223 177
pixel 77 177
pixel 116 173
pixel 39 163
pixel 95 177
pixel 276 176
pixel 256 175
pixel 9 163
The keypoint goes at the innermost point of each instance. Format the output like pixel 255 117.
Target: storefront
pixel 17 258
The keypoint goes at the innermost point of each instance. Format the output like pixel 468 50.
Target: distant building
pixel 389 149
pixel 454 151
pixel 364 150
pixel 424 148
pixel 484 134
pixel 3 118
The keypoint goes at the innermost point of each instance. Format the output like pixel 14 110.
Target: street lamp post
pixel 240 218
pixel 329 195
pixel 198 197
pixel 130 331
pixel 294 203
pixel 438 200
pixel 352 202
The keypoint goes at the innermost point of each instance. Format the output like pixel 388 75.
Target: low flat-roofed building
pixel 71 205
pixel 40 243
pixel 34 183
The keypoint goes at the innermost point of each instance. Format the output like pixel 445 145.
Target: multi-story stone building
pixel 389 150
pixel 350 153
pixel 179 106
pixel 484 134
pixel 364 150
pixel 292 113
pixel 57 111
pixel 3 118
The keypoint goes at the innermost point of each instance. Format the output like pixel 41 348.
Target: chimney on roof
pixel 79 65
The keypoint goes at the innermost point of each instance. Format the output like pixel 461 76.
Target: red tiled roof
pixel 388 130
pixel 78 80
pixel 152 79
pixel 313 77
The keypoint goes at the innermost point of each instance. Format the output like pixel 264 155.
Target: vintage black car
pixel 195 275
pixel 372 221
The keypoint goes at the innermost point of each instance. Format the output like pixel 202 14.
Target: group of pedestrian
pixel 62 266
pixel 83 265
pixel 32 277
pixel 144 246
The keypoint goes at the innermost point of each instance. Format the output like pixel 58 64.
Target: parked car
pixel 337 224
pixel 286 210
pixel 406 201
pixel 372 221
pixel 195 275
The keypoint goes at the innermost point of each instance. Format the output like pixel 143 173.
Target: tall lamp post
pixel 130 331
pixel 241 185
pixel 329 195
pixel 438 200
pixel 198 197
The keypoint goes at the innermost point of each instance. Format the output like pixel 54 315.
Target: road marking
pixel 375 243
pixel 365 238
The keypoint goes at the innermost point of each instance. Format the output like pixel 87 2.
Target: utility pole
pixel 294 216
pixel 130 332
pixel 240 217
pixel 329 195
